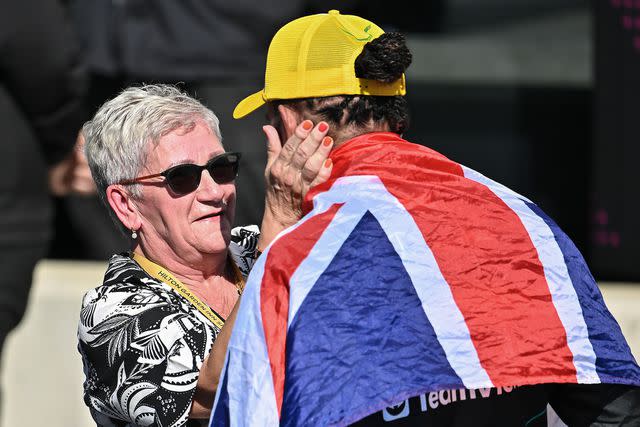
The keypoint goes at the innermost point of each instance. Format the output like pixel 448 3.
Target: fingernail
pixel 322 127
pixel 306 125
pixel 327 141
pixel 328 163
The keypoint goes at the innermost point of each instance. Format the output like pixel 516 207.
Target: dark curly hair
pixel 384 59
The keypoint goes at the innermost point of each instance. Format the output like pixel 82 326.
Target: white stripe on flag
pixel 367 193
pixel 561 288
pixel 321 255
pixel 332 239
pixel 249 380
pixel 249 369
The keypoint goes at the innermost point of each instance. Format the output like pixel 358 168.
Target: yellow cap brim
pixel 249 104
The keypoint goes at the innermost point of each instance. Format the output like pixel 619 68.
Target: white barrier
pixel 42 370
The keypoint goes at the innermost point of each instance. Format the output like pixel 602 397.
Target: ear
pixel 123 205
pixel 290 119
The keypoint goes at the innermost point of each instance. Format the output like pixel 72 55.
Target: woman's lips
pixel 210 215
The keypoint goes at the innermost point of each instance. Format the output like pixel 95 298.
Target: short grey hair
pixel 119 137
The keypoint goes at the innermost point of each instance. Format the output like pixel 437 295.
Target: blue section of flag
pixel 614 360
pixel 220 416
pixel 360 336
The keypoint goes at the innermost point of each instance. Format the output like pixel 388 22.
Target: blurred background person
pixel 42 84
pixel 214 49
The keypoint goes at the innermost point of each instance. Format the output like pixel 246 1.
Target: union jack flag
pixel 411 273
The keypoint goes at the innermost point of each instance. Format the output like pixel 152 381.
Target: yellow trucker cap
pixel 314 56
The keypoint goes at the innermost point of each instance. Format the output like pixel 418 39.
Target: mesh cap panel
pixel 314 56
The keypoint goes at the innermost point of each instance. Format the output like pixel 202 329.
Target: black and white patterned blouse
pixel 142 344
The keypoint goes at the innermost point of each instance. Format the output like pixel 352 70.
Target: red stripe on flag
pixel 496 277
pixel 283 258
pixel 483 251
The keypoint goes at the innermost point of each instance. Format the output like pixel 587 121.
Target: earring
pixel 134 234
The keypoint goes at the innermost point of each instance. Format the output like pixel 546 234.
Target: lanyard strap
pixel 165 276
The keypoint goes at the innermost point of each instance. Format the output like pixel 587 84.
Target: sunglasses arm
pixel 140 178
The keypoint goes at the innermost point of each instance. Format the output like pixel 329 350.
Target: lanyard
pixel 165 276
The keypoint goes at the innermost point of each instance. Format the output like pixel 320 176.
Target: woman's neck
pixel 196 269
pixel 209 276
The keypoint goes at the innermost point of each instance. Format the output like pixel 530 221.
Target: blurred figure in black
pixel 42 84
pixel 214 49
pixel 406 16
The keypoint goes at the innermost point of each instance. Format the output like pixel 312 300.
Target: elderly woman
pixel 153 336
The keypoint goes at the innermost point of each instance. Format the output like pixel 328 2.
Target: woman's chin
pixel 213 247
pixel 212 234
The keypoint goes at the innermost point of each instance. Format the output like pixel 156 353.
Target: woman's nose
pixel 208 187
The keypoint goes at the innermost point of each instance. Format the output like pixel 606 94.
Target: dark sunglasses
pixel 184 179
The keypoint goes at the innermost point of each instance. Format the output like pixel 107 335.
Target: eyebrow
pixel 180 162
pixel 190 161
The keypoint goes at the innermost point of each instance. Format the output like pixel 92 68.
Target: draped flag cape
pixel 410 273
